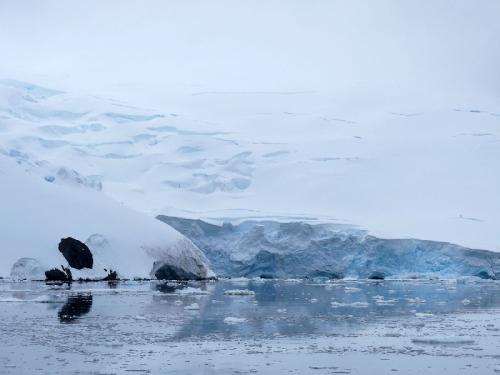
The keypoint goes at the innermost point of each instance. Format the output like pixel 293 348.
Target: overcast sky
pixel 449 45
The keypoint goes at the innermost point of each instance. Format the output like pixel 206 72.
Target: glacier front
pixel 300 249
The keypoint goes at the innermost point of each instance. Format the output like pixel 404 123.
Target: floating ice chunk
pixel 233 320
pixel 349 289
pixel 193 306
pixel 415 301
pixel 424 315
pixel 313 300
pixel 281 311
pixel 381 301
pixel 38 299
pixel 191 291
pixel 465 302
pixel 239 292
pixel 353 304
pixel 386 302
pixel 449 340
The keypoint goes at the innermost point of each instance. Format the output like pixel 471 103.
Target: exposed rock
pixel 112 276
pixel 55 274
pixel 266 276
pixel 76 253
pixel 376 275
pixel 168 272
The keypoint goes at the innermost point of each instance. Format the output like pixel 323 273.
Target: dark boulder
pixel 267 276
pixel 169 272
pixel 55 274
pixel 76 253
pixel 376 275
pixel 111 276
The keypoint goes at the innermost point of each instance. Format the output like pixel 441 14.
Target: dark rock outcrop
pixel 169 272
pixel 376 275
pixel 76 253
pixel 111 276
pixel 266 276
pixel 55 274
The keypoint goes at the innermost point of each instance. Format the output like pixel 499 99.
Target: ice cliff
pixel 283 250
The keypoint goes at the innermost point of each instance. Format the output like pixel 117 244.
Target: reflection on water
pixel 75 306
pixel 289 308
pixel 172 311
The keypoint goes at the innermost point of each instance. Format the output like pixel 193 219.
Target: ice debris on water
pixel 191 291
pixel 415 301
pixel 193 306
pixel 450 340
pixel 381 301
pixel 239 292
pixel 353 304
pixel 233 320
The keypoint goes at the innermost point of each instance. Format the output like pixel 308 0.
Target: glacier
pixel 272 249
pixel 243 155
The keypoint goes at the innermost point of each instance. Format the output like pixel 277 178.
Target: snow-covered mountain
pixel 397 168
pixel 384 117
pixel 36 214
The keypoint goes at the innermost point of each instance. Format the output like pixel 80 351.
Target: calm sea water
pixel 250 326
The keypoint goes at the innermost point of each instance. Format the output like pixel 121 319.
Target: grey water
pixel 197 327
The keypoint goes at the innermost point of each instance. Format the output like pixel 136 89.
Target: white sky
pixel 451 45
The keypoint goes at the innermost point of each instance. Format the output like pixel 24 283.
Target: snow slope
pixel 296 250
pixel 36 214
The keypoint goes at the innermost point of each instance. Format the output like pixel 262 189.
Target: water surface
pixel 269 327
